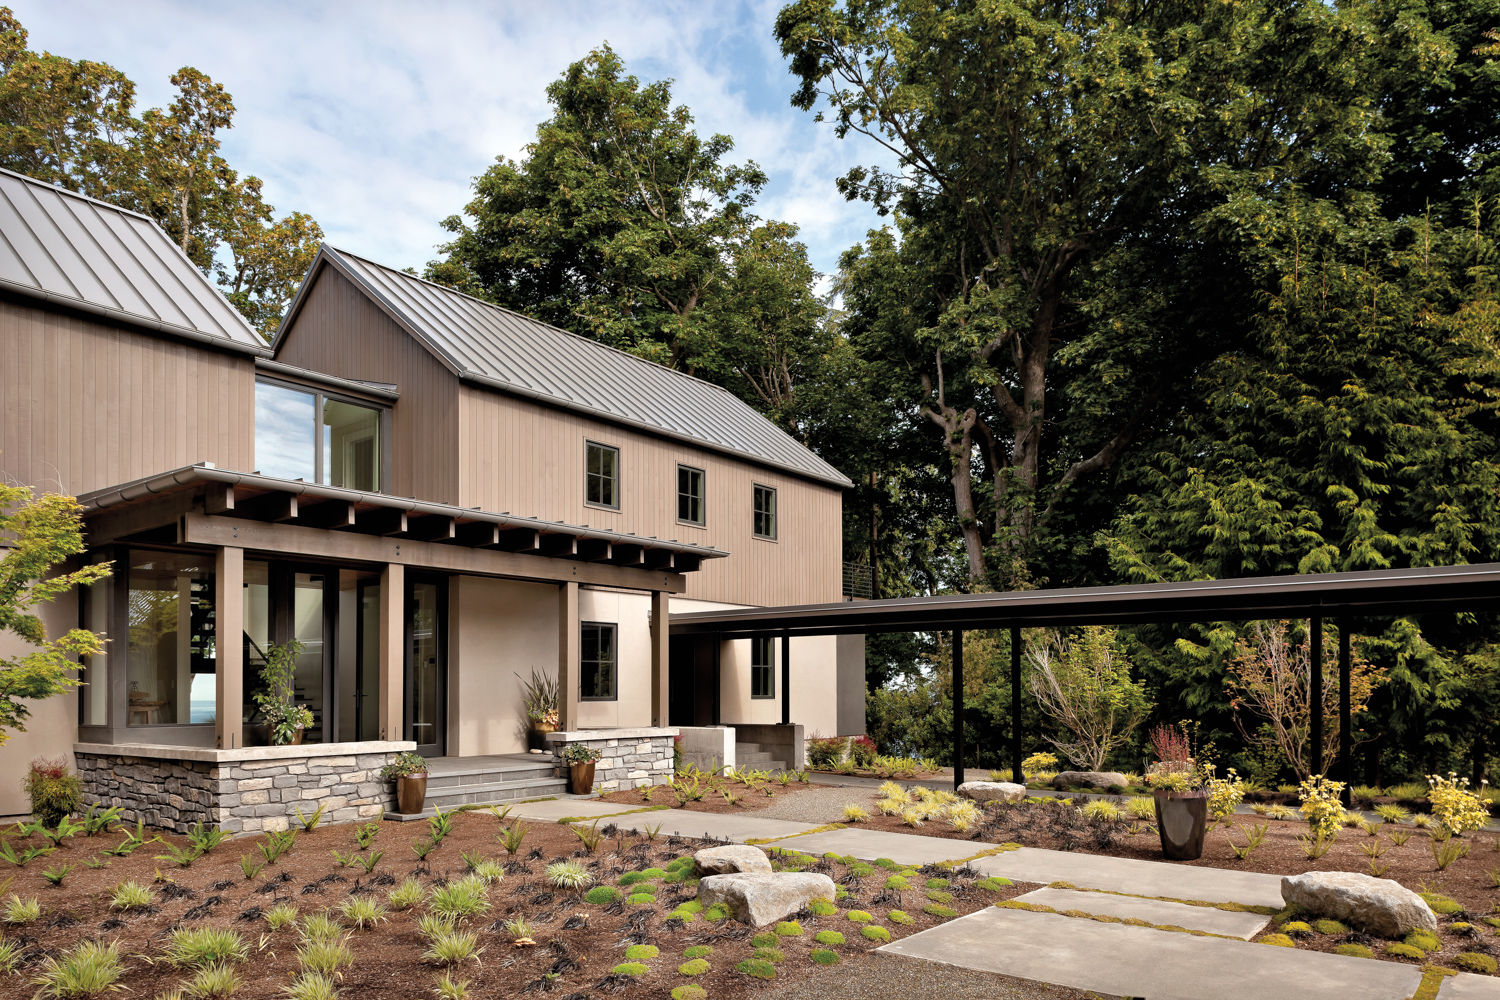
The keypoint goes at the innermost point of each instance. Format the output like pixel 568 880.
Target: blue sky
pixel 374 117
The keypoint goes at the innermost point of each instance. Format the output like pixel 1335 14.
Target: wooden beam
pixel 274 506
pixel 558 545
pixel 520 540
pixel 229 648
pixel 594 549
pixel 658 558
pixel 569 645
pixel 328 514
pixel 432 528
pixel 129 520
pixel 629 555
pixel 686 563
pixel 476 534
pixel 292 540
pixel 381 521
pixel 219 498
pixel 660 658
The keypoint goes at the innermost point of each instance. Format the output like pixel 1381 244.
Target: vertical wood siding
pixel 86 404
pixel 340 332
pixel 528 459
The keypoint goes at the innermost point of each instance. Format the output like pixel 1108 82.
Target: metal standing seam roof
pixel 505 350
pixel 76 251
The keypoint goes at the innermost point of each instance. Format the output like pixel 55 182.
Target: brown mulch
pixel 213 892
pixel 747 797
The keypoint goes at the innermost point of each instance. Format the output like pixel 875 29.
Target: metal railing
pixel 857 580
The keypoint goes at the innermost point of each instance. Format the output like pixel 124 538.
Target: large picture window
pixel 765 512
pixel 602 475
pixel 306 435
pixel 597 668
pixel 690 494
pixel 172 656
pixel 762 672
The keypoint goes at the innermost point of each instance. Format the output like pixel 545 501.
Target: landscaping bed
pixel 707 793
pixel 576 942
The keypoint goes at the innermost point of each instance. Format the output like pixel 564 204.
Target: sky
pixel 374 117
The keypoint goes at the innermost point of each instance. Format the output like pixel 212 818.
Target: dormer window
pixel 316 437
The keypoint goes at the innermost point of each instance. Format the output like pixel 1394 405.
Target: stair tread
pixel 492 786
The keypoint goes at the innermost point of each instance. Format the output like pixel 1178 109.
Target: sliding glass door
pixel 426 666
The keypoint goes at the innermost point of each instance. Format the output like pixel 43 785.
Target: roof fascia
pixel 323 379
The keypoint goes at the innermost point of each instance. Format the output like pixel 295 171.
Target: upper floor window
pixel 765 512
pixel 596 663
pixel 602 475
pixel 317 438
pixel 762 676
pixel 690 494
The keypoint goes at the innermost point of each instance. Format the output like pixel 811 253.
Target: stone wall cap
pixel 159 751
pixel 608 734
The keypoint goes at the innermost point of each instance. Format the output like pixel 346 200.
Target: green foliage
pixel 312 986
pixel 362 911
pixel 601 895
pixel 1278 940
pixel 757 968
pixel 900 917
pixel 876 933
pixel 309 823
pixel 324 955
pixel 692 991
pixel 1330 927
pixel 131 895
pixel 281 915
pixel 824 907
pixel 829 939
pixel 641 952
pixel 859 916
pixel 698 951
pixel 88 969
pixel 195 947
pixel 640 899
pixel 1454 806
pixel 629 969
pixel 10 956
pixel 276 844
pixel 1474 961
pixel 1397 949
pixel 461 900
pixel 693 967
pixel 568 875
pixel 277 695
pixel 54 791
pixel 1354 951
pixel 20 912
pixel 773 955
pixel 789 928
pixel 939 910
pixel 822 956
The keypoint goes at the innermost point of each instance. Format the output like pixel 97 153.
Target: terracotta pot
pixel 1182 820
pixel 582 776
pixel 411 793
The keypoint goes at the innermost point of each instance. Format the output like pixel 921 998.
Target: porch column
pixel 660 658
pixel 229 648
pixel 1346 738
pixel 392 694
pixel 568 653
pixel 786 678
pixel 1315 696
pixel 958 708
pixel 1015 705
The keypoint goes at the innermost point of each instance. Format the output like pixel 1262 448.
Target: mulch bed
pixel 579 941
pixel 748 798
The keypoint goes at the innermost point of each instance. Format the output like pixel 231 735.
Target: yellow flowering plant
pixel 1224 794
pixel 1039 763
pixel 1454 806
pixel 1321 806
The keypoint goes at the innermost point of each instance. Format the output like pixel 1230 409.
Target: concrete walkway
pixel 1144 878
pixel 1230 923
pixel 902 848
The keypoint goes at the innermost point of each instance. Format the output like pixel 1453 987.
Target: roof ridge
pixel 59 189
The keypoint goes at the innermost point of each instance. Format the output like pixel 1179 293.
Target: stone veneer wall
pixel 630 756
pixel 238 791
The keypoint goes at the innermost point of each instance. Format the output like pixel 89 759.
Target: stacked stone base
pixel 631 757
pixel 241 791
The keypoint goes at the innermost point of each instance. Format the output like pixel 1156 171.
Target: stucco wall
pixel 632 614
pixel 52 728
pixel 497 630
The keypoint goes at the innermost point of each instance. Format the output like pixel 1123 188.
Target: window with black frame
pixel 765 512
pixel 597 670
pixel 690 494
pixel 307 435
pixel 762 664
pixel 602 475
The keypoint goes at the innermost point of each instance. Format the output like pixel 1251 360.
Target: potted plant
pixel 540 697
pixel 286 721
pixel 581 758
pixel 410 771
pixel 1181 800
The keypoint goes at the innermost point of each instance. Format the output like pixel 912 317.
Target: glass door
pixel 426 668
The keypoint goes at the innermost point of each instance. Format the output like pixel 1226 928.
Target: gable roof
pixel 504 350
pixel 89 255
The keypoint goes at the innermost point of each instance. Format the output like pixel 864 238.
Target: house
pixel 436 497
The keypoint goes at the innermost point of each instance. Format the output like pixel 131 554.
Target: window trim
pixel 702 522
pixel 618 477
pixel 775 534
pixel 614 628
pixel 769 667
pixel 321 396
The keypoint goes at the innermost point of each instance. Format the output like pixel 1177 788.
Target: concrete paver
pixel 1138 961
pixel 552 810
pixel 738 827
pixel 1468 986
pixel 902 848
pixel 1144 878
pixel 1153 911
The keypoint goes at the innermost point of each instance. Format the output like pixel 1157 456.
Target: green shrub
pixel 458 901
pixel 641 952
pixel 693 967
pixel 830 939
pixel 90 969
pixel 55 792
pixel 1425 940
pixel 692 991
pixel 1399 950
pixel 629 969
pixel 823 956
pixel 900 917
pixel 194 947
pixel 876 933
pixel 757 968
pixel 789 928
pixel 130 895
pixel 939 910
pixel 1354 951
pixel 1473 961
pixel 859 916
pixel 601 895
pixel 1279 940
pixel 1330 927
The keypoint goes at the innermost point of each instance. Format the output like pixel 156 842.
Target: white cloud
pixel 374 117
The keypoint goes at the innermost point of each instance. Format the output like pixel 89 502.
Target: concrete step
pixel 740 748
pixel 488 775
pixel 494 791
pixel 550 798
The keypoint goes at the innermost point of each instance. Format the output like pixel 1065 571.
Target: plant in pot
pixel 581 760
pixel 410 773
pixel 286 721
pixel 540 697
pixel 1181 800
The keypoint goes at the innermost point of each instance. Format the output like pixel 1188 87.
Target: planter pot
pixel 536 736
pixel 582 777
pixel 1182 819
pixel 411 793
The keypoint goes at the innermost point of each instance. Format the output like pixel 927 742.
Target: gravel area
pixel 876 976
pixel 819 804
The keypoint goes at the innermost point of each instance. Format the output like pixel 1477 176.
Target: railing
pixel 857 580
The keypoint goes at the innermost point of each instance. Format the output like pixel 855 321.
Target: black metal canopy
pixel 1313 595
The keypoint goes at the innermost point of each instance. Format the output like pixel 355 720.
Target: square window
pixel 597 669
pixel 765 512
pixel 690 494
pixel 602 475
pixel 762 668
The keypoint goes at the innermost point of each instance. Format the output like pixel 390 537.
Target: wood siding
pixel 87 403
pixel 340 332
pixel 520 456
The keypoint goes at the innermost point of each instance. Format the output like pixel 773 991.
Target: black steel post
pixel 1315 695
pixel 718 644
pixel 1015 706
pixel 786 678
pixel 1346 738
pixel 958 708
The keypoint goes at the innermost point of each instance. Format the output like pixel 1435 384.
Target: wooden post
pixel 958 708
pixel 1015 706
pixel 391 709
pixel 569 653
pixel 717 641
pixel 660 658
pixel 229 648
pixel 1315 696
pixel 1346 747
pixel 786 678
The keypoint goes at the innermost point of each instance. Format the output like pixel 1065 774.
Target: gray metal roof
pixel 505 350
pixel 89 255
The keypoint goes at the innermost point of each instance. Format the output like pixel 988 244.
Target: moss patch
pixel 1278 940
pixel 766 940
pixel 757 968
pixel 641 952
pixel 774 955
pixel 698 951
pixel 629 969
pixel 1296 928
pixel 1473 961
pixel 938 896
pixel 789 928
pixel 1432 979
pixel 829 939
pixel 1397 949
pixel 897 883
pixel 859 916
pixel 1445 905
pixel 876 933
pixel 1425 940
pixel 993 884
pixel 937 883
pixel 1354 951
pixel 823 956
pixel 900 917
pixel 692 991
pixel 716 912
pixel 641 899
pixel 939 910
pixel 822 908
pixel 695 967
pixel 1330 927
pixel 601 895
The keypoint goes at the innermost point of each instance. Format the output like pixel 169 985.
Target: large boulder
pixel 1375 905
pixel 731 859
pixel 1088 779
pixel 758 899
pixel 992 791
